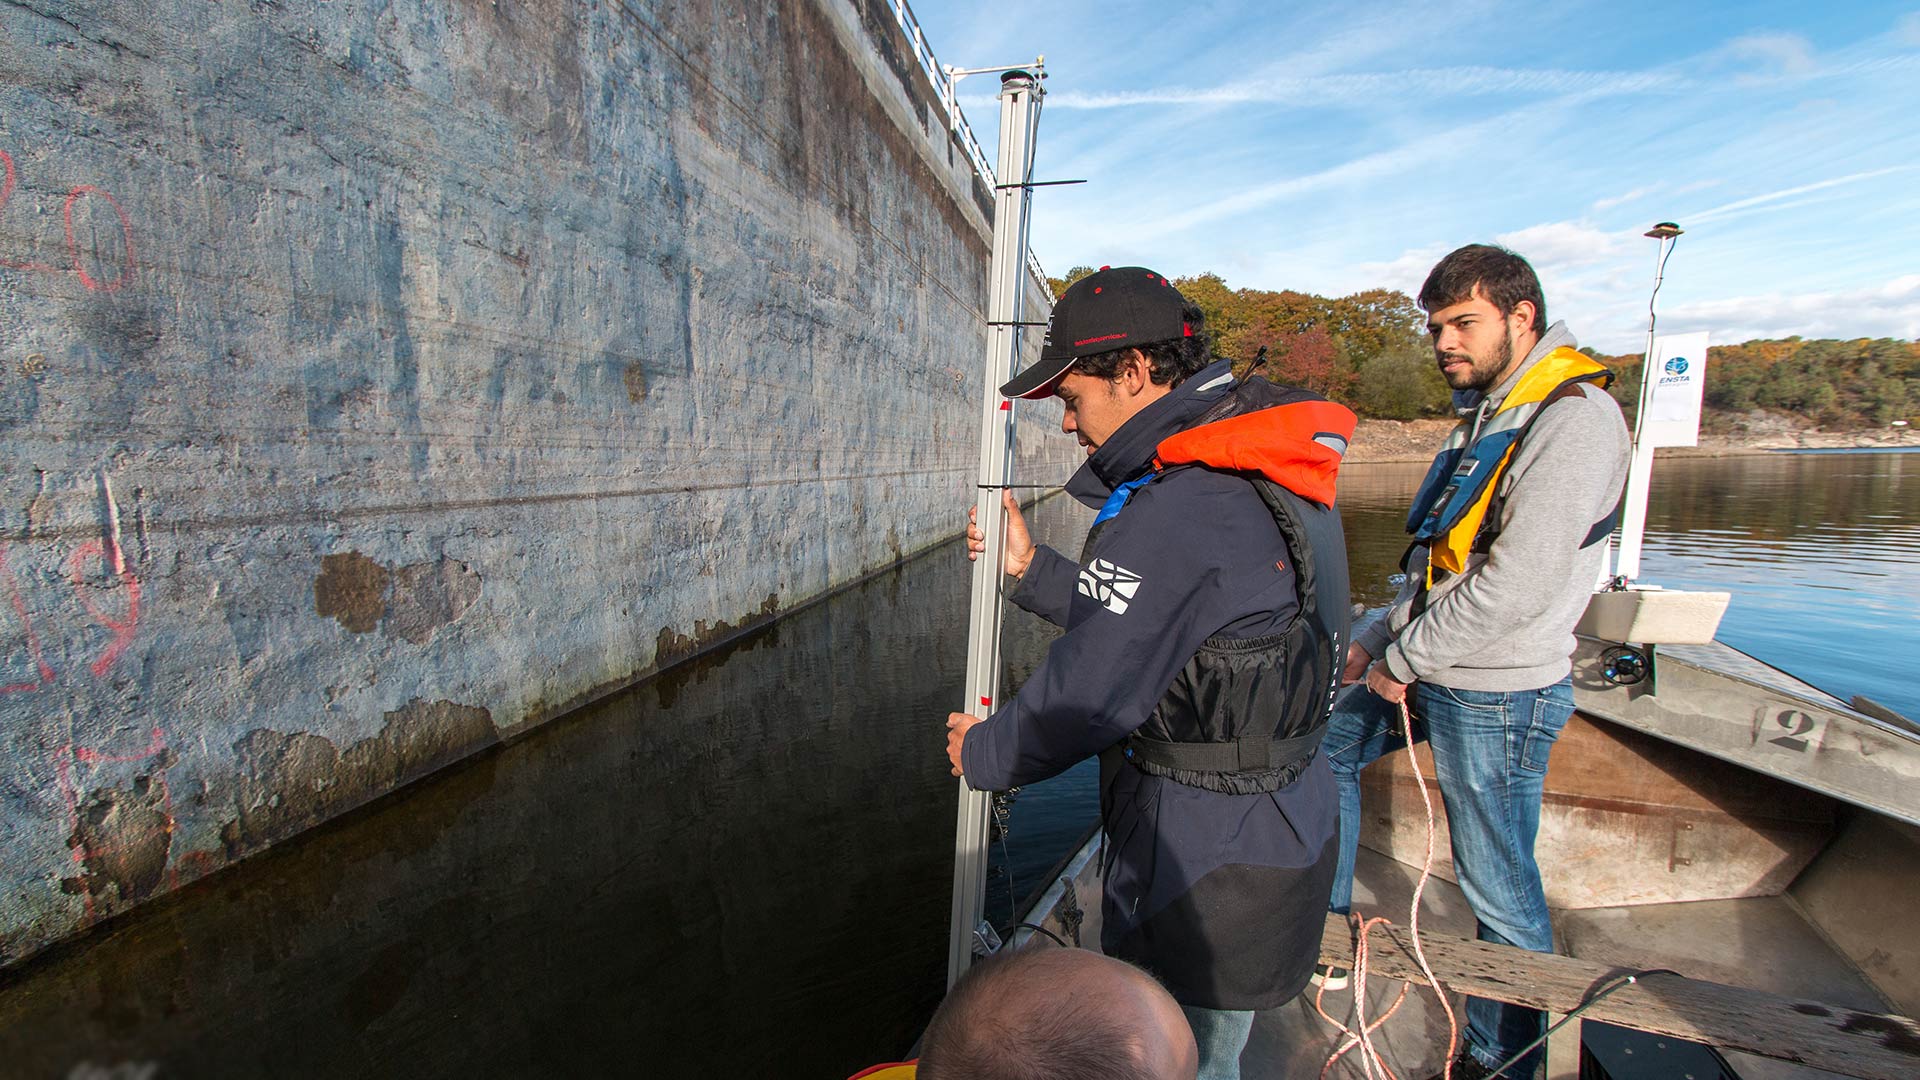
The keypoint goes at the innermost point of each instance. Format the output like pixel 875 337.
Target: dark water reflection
pixel 743 865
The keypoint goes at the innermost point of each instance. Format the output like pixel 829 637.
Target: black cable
pixel 1002 812
pixel 1007 934
pixel 1620 983
pixel 1659 276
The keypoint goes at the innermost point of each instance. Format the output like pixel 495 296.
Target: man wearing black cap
pixel 1203 623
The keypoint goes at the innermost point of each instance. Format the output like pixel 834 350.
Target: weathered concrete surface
pixel 380 379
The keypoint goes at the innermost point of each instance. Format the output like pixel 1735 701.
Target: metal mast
pixel 1633 525
pixel 1020 94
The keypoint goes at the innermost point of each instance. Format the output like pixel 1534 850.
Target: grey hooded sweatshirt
pixel 1505 623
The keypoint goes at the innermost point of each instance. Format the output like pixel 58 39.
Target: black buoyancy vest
pixel 1246 715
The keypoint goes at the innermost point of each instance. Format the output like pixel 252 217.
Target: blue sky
pixel 1335 147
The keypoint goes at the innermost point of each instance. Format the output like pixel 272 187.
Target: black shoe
pixel 1466 1067
pixel 1333 978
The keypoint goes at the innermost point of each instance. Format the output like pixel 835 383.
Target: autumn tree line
pixel 1839 385
pixel 1369 351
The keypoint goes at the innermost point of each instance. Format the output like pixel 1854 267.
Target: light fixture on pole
pixel 954 73
pixel 1639 474
pixel 1667 234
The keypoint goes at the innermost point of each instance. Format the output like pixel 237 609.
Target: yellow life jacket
pixel 1450 512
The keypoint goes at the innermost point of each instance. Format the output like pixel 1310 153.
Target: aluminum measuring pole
pixel 1633 524
pixel 1020 94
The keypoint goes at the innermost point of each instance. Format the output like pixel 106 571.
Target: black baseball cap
pixel 1116 307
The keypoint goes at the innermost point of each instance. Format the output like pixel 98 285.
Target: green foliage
pixel 1367 350
pixel 1060 284
pixel 1217 302
pixel 1399 384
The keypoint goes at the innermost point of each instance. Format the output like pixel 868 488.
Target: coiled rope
pixel 1361 1035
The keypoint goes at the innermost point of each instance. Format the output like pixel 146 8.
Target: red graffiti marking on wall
pixel 124 628
pixel 77 262
pixel 73 245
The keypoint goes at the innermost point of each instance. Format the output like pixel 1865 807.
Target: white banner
pixel 1678 377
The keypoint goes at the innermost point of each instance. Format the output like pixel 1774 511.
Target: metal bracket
pixel 986 940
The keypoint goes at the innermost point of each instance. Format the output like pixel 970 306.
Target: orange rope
pixel 1370 1058
pixel 1362 1036
pixel 1413 916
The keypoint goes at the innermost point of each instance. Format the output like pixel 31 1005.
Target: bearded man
pixel 1507 546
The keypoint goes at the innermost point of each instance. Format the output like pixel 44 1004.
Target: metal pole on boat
pixel 1020 94
pixel 1633 524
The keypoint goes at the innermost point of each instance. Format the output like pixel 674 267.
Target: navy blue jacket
pixel 1222 896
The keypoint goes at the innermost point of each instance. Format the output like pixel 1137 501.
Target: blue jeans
pixel 1490 753
pixel 1221 1034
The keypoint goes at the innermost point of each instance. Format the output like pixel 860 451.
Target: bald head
pixel 1062 1014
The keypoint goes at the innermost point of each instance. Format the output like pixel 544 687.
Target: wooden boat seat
pixel 1847 1041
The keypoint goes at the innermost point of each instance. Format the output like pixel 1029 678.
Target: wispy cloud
pixel 1758 59
pixel 1406 272
pixel 1786 193
pixel 1564 243
pixel 1888 310
pixel 1423 84
pixel 1776 55
pixel 1907 30
pixel 1367 167
pixel 1365 31
pixel 1434 145
pixel 1612 201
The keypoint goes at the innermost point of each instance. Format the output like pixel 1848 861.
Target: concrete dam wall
pixel 380 380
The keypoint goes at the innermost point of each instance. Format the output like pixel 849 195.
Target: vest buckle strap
pixel 1247 754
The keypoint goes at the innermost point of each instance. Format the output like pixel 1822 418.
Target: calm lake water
pixel 745 864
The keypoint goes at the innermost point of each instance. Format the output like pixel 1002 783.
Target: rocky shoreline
pixel 1381 441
